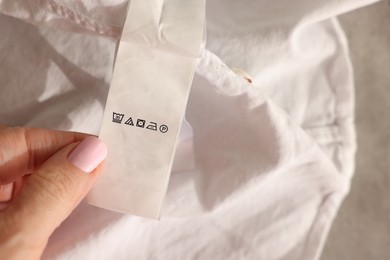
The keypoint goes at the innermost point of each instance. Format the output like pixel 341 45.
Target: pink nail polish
pixel 88 154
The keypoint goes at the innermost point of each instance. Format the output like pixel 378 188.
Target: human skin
pixel 44 175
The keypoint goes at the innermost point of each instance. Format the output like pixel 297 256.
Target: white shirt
pixel 273 158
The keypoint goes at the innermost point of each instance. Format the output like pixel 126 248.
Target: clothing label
pixel 152 77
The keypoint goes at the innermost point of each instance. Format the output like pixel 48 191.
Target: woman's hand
pixel 44 174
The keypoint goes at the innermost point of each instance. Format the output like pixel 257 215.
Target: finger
pixel 24 149
pixel 6 192
pixel 18 184
pixel 51 193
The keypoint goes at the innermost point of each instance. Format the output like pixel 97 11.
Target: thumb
pixel 51 193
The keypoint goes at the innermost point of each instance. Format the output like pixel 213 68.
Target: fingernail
pixel 88 154
pixel 6 192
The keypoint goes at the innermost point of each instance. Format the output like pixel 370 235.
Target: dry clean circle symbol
pixel 163 129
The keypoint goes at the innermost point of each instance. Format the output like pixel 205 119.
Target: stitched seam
pixel 326 134
pixel 80 19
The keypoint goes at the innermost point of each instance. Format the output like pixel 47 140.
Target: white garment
pixel 274 159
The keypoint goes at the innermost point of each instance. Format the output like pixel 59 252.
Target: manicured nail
pixel 88 154
pixel 6 192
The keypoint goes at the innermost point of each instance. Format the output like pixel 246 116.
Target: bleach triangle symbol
pixel 129 122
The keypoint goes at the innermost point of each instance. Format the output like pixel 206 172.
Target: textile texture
pixel 273 159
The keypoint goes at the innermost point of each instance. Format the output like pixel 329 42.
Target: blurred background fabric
pixel 361 230
pixel 77 68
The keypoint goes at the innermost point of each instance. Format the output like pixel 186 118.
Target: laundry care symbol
pixel 163 128
pixel 129 122
pixel 152 126
pixel 141 123
pixel 117 118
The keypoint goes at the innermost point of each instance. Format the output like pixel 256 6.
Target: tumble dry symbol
pixel 141 123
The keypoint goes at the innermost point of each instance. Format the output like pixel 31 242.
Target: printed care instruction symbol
pixel 163 129
pixel 129 122
pixel 117 118
pixel 141 123
pixel 152 126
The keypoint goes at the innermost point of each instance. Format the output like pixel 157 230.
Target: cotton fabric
pixel 273 159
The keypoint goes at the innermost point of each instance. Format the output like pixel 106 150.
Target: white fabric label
pixel 153 73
